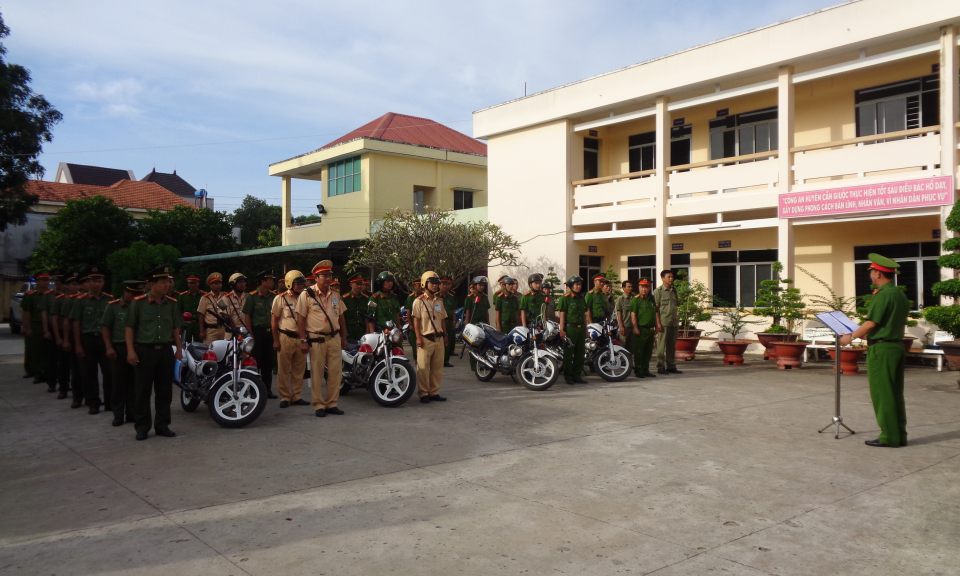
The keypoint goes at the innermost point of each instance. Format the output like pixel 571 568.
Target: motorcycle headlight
pixel 591 345
pixel 395 335
pixel 243 331
pixel 516 351
pixel 248 345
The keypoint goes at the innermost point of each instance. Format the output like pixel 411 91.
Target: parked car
pixel 16 314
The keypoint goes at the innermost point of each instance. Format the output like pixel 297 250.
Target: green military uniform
pixel 63 357
pixel 48 303
pixel 153 323
pixel 531 303
pixel 646 311
pixel 384 306
pixel 496 297
pixel 189 303
pixel 667 304
pixel 885 359
pixel 76 381
pixel 450 305
pixel 355 310
pixel 258 306
pixel 627 340
pixel 411 333
pixel 509 308
pixel 574 308
pixel 33 344
pixel 479 309
pixel 88 311
pixel 598 304
pixel 124 375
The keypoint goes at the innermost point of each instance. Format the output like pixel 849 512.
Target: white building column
pixel 285 211
pixel 785 91
pixel 662 248
pixel 949 116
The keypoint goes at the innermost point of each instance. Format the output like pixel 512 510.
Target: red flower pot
pixel 849 357
pixel 686 348
pixel 789 354
pixel 908 343
pixel 732 352
pixel 951 352
pixel 768 340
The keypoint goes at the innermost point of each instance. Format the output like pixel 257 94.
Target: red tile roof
pixel 125 193
pixel 412 130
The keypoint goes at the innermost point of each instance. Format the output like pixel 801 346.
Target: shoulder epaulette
pixel 29 292
pixel 182 293
pixel 141 297
pixel 422 297
pixel 81 297
pixel 108 295
pixel 274 292
pixel 204 294
pixel 172 299
pixel 47 292
pixel 61 295
pixel 113 301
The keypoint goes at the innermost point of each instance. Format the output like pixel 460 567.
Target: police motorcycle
pixel 518 353
pixel 376 362
pixel 220 376
pixel 605 357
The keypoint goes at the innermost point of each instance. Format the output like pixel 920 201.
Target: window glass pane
pixel 590 164
pixel 931 275
pixel 591 144
pixel 457 200
pixel 650 273
pixel 348 183
pixel 716 145
pixel 584 260
pixel 680 152
pixel 763 138
pixel 725 283
pixel 748 285
pixel 746 140
pixel 635 162
pixel 467 200
pixel 894 115
pixel 724 256
pixel 356 182
pixel 895 251
pixel 680 259
pixel 356 165
pixel 861 273
pixel 758 255
pixel 909 277
pixel 930 249
pixel 339 185
pixel 340 171
pixel 648 158
pixel 866 120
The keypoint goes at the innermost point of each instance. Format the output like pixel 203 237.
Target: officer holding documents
pixel 883 328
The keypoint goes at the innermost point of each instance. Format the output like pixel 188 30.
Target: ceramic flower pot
pixel 789 354
pixel 768 339
pixel 908 342
pixel 951 352
pixel 732 352
pixel 849 357
pixel 686 348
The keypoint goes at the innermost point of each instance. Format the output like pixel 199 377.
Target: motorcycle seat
pixel 352 345
pixel 496 337
pixel 197 350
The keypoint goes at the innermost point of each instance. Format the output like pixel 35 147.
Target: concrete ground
pixel 716 471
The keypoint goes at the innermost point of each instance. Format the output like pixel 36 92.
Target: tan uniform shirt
pixel 209 302
pixel 284 306
pixel 431 313
pixel 310 309
pixel 234 310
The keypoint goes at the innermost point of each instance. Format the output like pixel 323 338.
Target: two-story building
pixel 813 142
pixel 395 161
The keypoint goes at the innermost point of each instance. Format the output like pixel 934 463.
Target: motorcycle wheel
pixel 483 373
pixel 250 402
pixel 533 379
pixel 393 395
pixel 188 401
pixel 613 368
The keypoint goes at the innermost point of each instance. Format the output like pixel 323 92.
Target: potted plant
pixel 736 321
pixel 783 304
pixel 850 356
pixel 947 318
pixel 693 298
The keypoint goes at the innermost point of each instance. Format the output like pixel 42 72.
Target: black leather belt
pixel 872 342
pixel 432 337
pixel 212 326
pixel 322 338
pixel 154 346
pixel 290 333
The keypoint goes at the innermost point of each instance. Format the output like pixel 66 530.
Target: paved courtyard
pixel 716 471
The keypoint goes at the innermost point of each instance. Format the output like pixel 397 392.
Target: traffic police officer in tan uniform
pixel 323 332
pixel 235 299
pixel 291 363
pixel 210 330
pixel 428 314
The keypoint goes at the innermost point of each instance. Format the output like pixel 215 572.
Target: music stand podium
pixel 841 325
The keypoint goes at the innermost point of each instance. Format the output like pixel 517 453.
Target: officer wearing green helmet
pixel 384 304
pixel 883 328
pixel 574 317
pixel 532 302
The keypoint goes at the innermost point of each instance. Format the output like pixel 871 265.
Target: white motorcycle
pixel 220 376
pixel 376 362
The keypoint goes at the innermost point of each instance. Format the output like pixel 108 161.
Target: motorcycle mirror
pixel 389 324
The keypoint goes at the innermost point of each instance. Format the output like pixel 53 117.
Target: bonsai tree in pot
pixel 849 356
pixel 783 304
pixel 693 300
pixel 735 320
pixel 947 318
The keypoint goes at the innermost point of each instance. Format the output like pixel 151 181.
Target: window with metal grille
pixel 343 177
pixel 902 105
pixel 737 274
pixel 744 133
pixel 589 267
pixel 642 148
pixel 645 266
pixel 591 158
pixel 918 269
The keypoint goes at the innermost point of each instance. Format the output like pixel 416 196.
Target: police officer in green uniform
pixel 411 297
pixel 256 314
pixel 113 328
pixel 622 318
pixel 90 351
pixel 383 305
pixel 501 290
pixel 450 306
pixel 643 314
pixel 593 294
pixel 668 320
pixel 532 302
pixel 508 306
pixel 153 343
pixel 69 367
pixel 884 327
pixel 355 304
pixel 189 301
pixel 574 317
pixel 46 306
pixel 33 329
pixel 476 307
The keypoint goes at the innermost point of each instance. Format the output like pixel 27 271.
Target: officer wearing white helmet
pixel 429 324
pixel 291 363
pixel 235 299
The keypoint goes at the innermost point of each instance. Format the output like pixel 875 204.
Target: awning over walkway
pixel 292 249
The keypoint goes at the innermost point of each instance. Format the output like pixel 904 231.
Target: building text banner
pixel 918 193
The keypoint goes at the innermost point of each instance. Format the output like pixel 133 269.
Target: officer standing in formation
pixel 71 294
pixel 292 363
pixel 90 350
pixel 476 307
pixel 574 317
pixel 32 320
pixel 624 321
pixel 62 376
pixel 46 306
pixel 257 307
pixel 235 300
pixel 355 303
pixel 450 306
pixel 153 344
pixel 210 330
pixel 428 314
pixel 114 332
pixel 508 306
pixel 411 337
pixel 384 305
pixel 667 303
pixel 189 301
pixel 643 315
pixel 322 328
pixel 532 302
pixel 884 327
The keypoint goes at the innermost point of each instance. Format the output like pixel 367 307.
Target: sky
pixel 219 90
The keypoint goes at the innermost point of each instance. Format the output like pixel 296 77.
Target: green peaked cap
pixel 884 262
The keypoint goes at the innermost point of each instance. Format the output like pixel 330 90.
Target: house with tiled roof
pixel 395 161
pixel 177 185
pixel 68 173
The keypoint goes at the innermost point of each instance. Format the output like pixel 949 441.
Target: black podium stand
pixel 840 324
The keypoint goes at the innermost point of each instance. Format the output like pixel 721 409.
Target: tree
pixel 83 233
pixel 269 237
pixel 693 299
pixel 306 219
pixel 947 318
pixel 134 262
pixel 831 302
pixel 26 120
pixel 192 231
pixel 253 217
pixel 409 244
pixel 613 278
pixel 556 284
pixel 781 304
